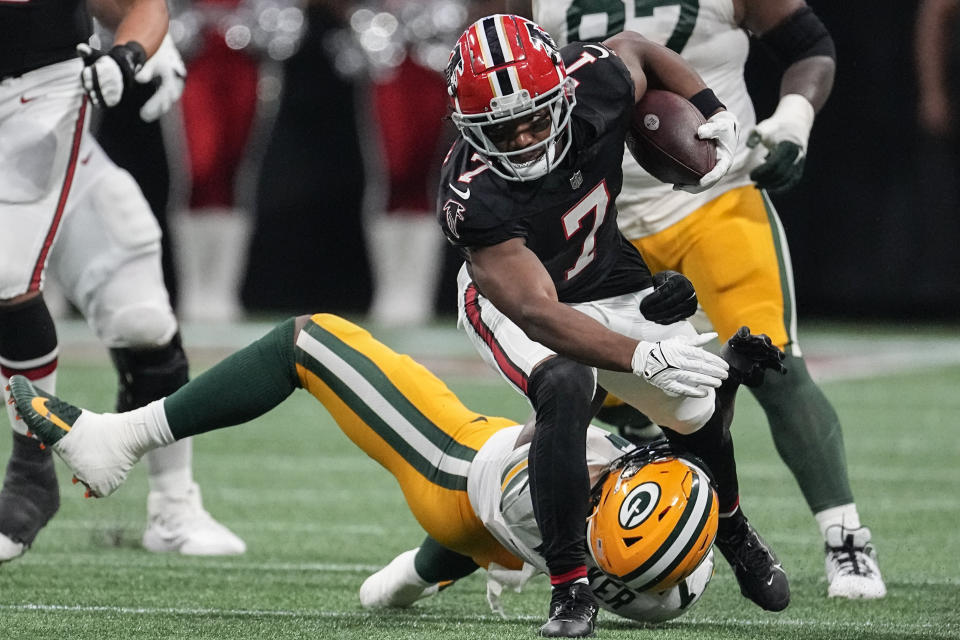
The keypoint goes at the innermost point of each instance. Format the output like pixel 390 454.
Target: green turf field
pixel 318 517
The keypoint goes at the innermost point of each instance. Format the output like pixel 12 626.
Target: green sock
pixel 245 385
pixel 807 434
pixel 435 563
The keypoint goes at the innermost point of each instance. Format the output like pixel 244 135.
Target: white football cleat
pixel 90 443
pixel 396 585
pixel 851 564
pixel 10 549
pixel 178 522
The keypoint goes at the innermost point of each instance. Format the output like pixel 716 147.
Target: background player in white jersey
pixel 463 474
pixel 62 201
pixel 729 239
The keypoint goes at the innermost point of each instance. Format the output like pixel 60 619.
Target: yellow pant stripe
pixel 406 419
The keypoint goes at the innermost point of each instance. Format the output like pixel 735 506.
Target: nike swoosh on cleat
pixel 39 404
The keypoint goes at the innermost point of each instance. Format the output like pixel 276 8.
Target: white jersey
pixel 499 491
pixel 499 487
pixel 706 34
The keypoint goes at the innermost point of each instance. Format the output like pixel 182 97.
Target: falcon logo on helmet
pixel 505 71
pixel 654 519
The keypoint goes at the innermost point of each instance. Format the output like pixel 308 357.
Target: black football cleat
pixel 573 612
pixel 29 498
pixel 750 355
pixel 758 572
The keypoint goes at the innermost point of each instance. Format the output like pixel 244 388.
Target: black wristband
pixel 130 56
pixel 706 102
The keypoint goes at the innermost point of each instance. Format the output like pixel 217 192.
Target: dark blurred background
pixel 874 227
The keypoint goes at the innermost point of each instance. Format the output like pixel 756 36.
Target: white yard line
pixel 133 561
pixel 920 629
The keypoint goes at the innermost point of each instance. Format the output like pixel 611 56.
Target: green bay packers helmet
pixel 654 519
pixel 651 607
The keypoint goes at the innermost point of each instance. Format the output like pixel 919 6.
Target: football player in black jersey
pixel 554 297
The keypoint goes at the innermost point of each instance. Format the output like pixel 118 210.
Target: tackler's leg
pixel 108 260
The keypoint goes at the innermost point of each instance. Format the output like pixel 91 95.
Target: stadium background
pixel 872 230
pixel 872 227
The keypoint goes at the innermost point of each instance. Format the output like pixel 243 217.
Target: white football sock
pixel 170 467
pixel 146 428
pixel 845 515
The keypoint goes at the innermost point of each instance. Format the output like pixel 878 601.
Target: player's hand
pixel 680 366
pixel 673 299
pixel 166 70
pixel 785 134
pixel 106 74
pixel 723 127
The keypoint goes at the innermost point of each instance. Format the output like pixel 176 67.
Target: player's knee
pixel 564 381
pixel 781 393
pixel 146 375
pixel 691 414
pixel 146 325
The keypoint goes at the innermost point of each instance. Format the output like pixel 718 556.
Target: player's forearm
pixel 811 78
pixel 142 21
pixel 655 67
pixel 576 336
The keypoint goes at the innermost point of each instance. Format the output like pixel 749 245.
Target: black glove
pixel 673 299
pixel 750 355
pixel 781 169
pixel 105 75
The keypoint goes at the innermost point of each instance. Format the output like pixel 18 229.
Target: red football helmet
pixel 505 68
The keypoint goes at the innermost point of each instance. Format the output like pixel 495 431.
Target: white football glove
pixel 105 74
pixel 680 366
pixel 723 127
pixel 166 66
pixel 786 134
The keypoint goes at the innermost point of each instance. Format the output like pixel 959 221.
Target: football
pixel 662 138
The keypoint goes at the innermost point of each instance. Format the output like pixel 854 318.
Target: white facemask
pixel 536 168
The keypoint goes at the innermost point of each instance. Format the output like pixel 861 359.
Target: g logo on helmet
pixel 654 521
pixel 639 504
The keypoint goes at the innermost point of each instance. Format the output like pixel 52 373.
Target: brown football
pixel 663 138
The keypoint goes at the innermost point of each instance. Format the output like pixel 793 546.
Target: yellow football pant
pixel 406 419
pixel 735 252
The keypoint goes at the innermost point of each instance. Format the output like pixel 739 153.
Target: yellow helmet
pixel 654 518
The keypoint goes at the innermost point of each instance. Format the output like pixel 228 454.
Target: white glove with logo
pixel 167 70
pixel 680 366
pixel 723 127
pixel 786 134
pixel 105 74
